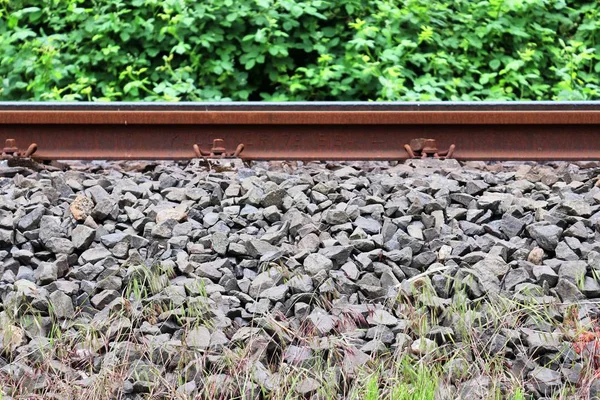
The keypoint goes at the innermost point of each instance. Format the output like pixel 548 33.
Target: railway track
pixel 302 131
pixel 308 278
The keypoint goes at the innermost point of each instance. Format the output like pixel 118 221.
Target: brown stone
pixel 178 213
pixel 81 208
pixel 536 256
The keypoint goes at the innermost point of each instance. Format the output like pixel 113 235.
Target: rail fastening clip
pixel 218 150
pixel 427 148
pixel 11 150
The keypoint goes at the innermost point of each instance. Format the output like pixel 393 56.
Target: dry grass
pixel 101 357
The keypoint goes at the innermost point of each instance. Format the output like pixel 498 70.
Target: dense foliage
pixel 299 49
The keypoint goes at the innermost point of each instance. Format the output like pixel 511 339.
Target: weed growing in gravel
pixel 144 281
pixel 254 367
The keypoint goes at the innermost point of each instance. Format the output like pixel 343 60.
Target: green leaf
pixel 249 64
pixel 263 3
pixel 29 10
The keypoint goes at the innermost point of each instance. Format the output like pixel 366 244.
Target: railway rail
pixel 302 131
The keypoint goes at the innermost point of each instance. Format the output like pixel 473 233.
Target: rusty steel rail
pixel 302 131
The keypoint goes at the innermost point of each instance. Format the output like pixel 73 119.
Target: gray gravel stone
pixel 295 260
pixel 337 254
pixel 219 243
pixel 258 248
pixel 112 239
pixel 544 273
pixel 568 291
pixel 336 217
pixel 46 273
pixel 94 255
pixel 541 342
pixel 263 281
pixel 103 298
pixel 274 198
pixel 424 260
pixel 310 243
pixel 210 270
pixel 82 237
pixel 59 245
pixel 572 270
pixel 198 337
pixel 547 236
pixel 545 380
pixel 315 263
pixel 368 225
pixel 50 228
pixel 31 220
pixel 511 226
pixel 382 317
pixel 62 306
pixel 591 287
pixel 301 284
pixel 275 294
pixel 6 238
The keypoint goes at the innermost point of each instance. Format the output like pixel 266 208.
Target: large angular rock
pixel 62 305
pixel 275 294
pixel 263 281
pixel 547 236
pixel 545 273
pixel 31 220
pixel 337 254
pixel 258 248
pixel 511 226
pixel 314 263
pixel 219 243
pixel 7 238
pixel 50 228
pixel 494 265
pixel 198 337
pixel 82 237
pixel 368 225
pixel 568 291
pixel 94 255
pixel 545 380
pixel 310 243
pixel 59 245
pixel 46 273
pixel 103 298
pixel 112 239
pixel 541 342
pixel 573 271
pixel 274 198
pixel 6 220
pixel 336 217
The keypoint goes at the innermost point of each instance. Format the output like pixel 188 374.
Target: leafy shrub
pixel 299 49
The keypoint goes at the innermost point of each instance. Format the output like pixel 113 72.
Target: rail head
pixel 306 106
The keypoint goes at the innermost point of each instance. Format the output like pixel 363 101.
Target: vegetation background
pixel 105 50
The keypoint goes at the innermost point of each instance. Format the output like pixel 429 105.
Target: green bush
pixel 299 49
